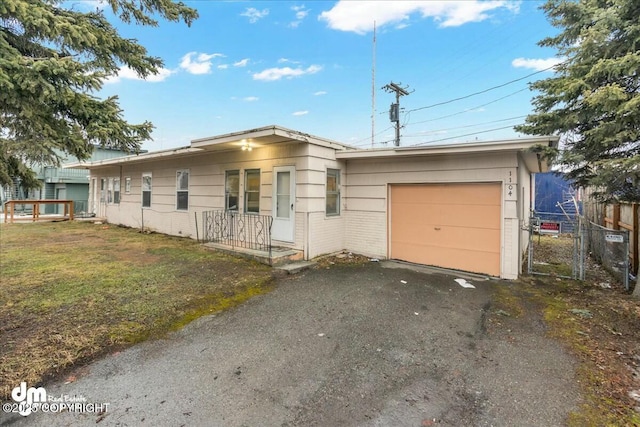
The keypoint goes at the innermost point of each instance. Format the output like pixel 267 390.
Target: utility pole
pixel 394 110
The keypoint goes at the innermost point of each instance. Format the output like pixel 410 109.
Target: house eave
pixel 259 137
pixel 465 148
pixel 136 158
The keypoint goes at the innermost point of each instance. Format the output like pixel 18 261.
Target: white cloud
pixel 358 16
pixel 535 64
pixel 241 63
pixel 320 92
pixel 250 99
pixel 301 13
pixel 223 66
pixel 209 56
pixel 287 61
pixel 272 74
pixel 198 63
pixel 301 113
pixel 129 74
pixel 254 14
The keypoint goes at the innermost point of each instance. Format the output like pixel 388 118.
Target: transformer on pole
pixel 394 110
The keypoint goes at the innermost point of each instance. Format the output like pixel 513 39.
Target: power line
pixel 465 127
pixel 462 136
pixel 355 144
pixel 358 143
pixel 456 128
pixel 470 109
pixel 482 91
pixel 461 98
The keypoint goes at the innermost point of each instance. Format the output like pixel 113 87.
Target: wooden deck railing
pixel 10 210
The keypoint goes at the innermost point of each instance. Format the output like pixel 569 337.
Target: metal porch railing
pixel 249 231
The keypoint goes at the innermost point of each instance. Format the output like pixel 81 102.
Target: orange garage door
pixel 447 225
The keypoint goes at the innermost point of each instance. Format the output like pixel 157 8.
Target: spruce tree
pixel 593 99
pixel 53 60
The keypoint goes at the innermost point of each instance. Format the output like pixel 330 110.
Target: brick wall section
pixel 366 233
pixel 327 232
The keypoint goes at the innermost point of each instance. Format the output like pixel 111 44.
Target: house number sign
pixel 510 187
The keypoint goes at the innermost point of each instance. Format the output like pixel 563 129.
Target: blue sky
pixel 308 66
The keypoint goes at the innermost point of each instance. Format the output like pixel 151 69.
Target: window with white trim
pixel 110 190
pixel 127 185
pixel 103 190
pixel 116 190
pixel 231 190
pixel 182 190
pixel 146 190
pixel 252 191
pixel 333 192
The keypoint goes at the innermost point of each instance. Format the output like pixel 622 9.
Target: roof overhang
pixel 136 158
pixel 261 137
pixel 255 138
pixel 523 146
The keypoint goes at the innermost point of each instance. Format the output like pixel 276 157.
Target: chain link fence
pixel 554 247
pixel 609 248
pixel 560 248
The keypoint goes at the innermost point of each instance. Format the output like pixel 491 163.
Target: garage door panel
pixel 477 262
pixel 448 225
pixel 475 217
pixel 428 236
pixel 458 259
pixel 470 194
pixel 474 239
pixel 418 212
pixel 406 194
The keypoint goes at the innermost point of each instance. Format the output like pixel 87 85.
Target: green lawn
pixel 72 291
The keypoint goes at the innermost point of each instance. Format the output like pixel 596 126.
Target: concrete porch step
pixel 279 255
pixel 295 267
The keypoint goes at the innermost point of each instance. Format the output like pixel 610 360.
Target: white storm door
pixel 284 197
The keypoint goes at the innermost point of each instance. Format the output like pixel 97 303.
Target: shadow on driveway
pixel 345 346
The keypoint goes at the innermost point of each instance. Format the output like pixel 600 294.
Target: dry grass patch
pixel 601 327
pixel 72 291
pixel 599 322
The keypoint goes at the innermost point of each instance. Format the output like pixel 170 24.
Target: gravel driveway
pixel 345 346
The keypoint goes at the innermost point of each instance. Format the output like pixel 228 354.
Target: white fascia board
pixel 135 158
pixel 464 148
pixel 262 134
pixel 234 136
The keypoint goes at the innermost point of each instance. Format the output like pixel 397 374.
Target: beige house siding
pixel 367 196
pixel 525 179
pixel 324 234
pixel 206 192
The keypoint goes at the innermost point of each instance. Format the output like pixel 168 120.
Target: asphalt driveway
pixel 345 346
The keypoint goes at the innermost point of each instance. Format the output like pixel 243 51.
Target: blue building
pixel 61 183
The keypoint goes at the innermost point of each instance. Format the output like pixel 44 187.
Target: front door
pixel 284 199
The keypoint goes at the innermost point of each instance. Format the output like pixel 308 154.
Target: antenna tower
pixel 373 89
